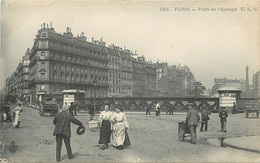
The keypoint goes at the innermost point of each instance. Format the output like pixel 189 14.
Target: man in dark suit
pixel 204 119
pixel 62 131
pixel 223 119
pixel 192 120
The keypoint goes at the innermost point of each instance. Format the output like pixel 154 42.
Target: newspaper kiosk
pixel 72 95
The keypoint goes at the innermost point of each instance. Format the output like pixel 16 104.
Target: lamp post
pixel 95 84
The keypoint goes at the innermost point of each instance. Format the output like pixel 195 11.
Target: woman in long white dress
pixel 119 137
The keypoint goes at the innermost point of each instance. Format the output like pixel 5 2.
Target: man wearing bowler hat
pixel 62 131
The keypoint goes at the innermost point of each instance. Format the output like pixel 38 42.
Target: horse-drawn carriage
pixel 48 105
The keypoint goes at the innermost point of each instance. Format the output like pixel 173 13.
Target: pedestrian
pixel 105 127
pixel 223 119
pixel 192 120
pixel 119 136
pixel 204 119
pixel 171 110
pixel 167 109
pixel 75 108
pixel 62 130
pixel 71 108
pixel 16 113
pixel 234 110
pixel 6 112
pixel 92 110
pixel 157 109
pixel 147 110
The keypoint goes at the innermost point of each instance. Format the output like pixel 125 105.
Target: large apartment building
pixel 61 62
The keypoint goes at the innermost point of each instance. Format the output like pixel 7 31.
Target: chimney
pixel 47 26
pixel 247 82
pixel 51 25
pixel 67 29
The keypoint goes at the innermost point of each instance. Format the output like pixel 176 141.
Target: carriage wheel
pixel 181 136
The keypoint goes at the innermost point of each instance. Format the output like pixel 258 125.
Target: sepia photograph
pixel 129 81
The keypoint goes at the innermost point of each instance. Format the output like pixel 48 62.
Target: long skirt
pixel 119 135
pixel 16 120
pixel 105 132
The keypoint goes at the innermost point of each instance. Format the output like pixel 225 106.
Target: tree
pixel 198 89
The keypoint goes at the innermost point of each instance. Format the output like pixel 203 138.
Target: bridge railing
pixel 178 104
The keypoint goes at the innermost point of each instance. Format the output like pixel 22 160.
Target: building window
pixel 42 44
pixel 26 69
pixel 42 75
pixel 42 55
pixel 67 77
pixel 42 87
pixel 54 76
pixel 72 76
pixel 44 34
pixel 62 77
pixel 42 65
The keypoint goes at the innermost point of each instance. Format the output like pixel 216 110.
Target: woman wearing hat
pixel 105 127
pixel 119 125
pixel 16 114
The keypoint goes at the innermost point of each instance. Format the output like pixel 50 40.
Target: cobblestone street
pixel 152 138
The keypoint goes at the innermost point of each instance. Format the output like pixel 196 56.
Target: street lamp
pixel 95 84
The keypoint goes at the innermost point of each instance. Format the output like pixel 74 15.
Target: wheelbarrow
pixel 182 130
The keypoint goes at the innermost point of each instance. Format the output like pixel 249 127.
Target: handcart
pixel 182 130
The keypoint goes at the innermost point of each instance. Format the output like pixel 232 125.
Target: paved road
pixel 152 138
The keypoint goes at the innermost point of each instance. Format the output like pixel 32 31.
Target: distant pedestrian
pixel 62 130
pixel 6 112
pixel 167 109
pixel 171 110
pixel 72 109
pixel 92 110
pixel 234 110
pixel 204 119
pixel 16 114
pixel 147 110
pixel 223 119
pixel 192 119
pixel 157 109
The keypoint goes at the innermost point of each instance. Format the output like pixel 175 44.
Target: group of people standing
pixel 113 128
pixel 14 117
pixel 193 118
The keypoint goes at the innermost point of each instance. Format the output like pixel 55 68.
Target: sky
pixel 213 44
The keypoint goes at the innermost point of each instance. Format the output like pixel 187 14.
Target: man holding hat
pixel 62 131
pixel 192 120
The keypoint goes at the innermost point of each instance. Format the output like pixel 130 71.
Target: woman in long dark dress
pixel 105 127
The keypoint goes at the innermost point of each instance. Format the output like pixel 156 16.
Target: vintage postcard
pixel 130 81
